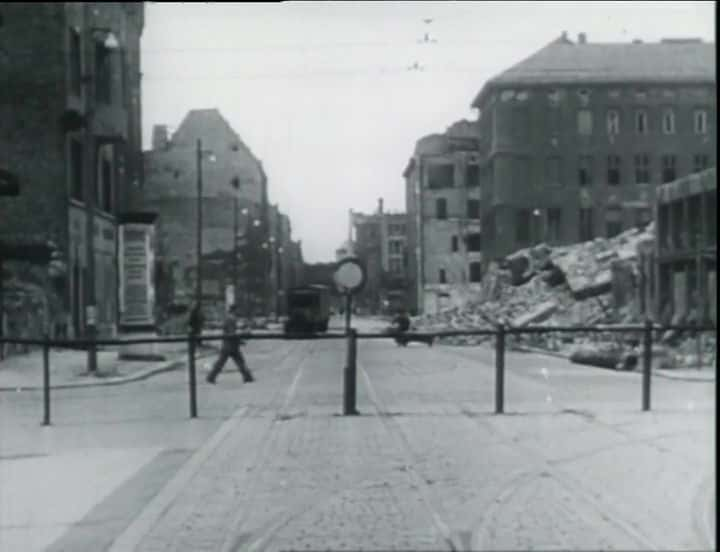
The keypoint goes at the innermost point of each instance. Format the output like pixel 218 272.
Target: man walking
pixel 230 349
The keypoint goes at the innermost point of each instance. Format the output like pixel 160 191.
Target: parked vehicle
pixel 308 309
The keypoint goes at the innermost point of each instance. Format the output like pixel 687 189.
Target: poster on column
pixel 137 283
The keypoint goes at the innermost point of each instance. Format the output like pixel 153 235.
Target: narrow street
pixel 573 464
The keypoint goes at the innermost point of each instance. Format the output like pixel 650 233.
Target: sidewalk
pixel 68 369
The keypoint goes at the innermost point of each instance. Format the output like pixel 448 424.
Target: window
pixel 106 199
pixel 553 178
pixel 613 228
pixel 442 277
pixel 472 176
pixel 520 124
pixel 75 62
pixel 641 122
pixel 613 170
pixel 669 172
pixel 668 121
pixel 103 73
pixel 76 170
pixel 441 208
pixel 395 247
pixel 554 121
pixel 441 176
pixel 613 122
pixel 642 169
pixel 700 121
pixel 474 242
pixel 700 163
pixel 554 224
pixel 522 226
pixel 473 208
pixel 454 244
pixel 585 122
pixel 586 223
pixel 585 171
pixel 475 272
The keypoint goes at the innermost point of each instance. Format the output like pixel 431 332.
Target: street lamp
pixel 199 158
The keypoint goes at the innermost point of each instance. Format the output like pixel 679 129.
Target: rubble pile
pixel 589 283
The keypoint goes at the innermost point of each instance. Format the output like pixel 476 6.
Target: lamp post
pixel 199 158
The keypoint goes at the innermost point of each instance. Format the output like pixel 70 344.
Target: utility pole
pixel 198 283
pixel 89 185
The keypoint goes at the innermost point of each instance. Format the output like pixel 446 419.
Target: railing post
pixel 349 398
pixel 500 370
pixel 647 364
pixel 192 374
pixel 46 379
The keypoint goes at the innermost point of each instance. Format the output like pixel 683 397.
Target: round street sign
pixel 349 275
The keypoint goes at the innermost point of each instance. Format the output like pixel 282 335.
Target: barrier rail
pixel 350 371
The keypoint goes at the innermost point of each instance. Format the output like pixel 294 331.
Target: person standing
pixel 230 349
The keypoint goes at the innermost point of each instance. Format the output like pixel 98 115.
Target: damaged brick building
pixel 70 132
pixel 580 134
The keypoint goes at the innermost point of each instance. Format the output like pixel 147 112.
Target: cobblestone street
pixel 427 465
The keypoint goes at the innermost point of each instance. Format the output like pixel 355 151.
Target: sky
pixel 323 93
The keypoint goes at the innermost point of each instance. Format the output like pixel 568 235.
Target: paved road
pixel 271 465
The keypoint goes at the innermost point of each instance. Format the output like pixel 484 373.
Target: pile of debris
pixel 585 284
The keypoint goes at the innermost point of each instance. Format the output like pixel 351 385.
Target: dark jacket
pixel 196 321
pixel 230 342
pixel 402 322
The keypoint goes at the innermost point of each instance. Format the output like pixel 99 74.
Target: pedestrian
pixel 230 349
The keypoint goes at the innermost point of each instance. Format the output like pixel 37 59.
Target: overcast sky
pixel 322 94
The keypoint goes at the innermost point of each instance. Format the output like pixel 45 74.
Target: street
pixel 574 464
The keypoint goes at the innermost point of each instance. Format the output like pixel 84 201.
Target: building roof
pixel 563 61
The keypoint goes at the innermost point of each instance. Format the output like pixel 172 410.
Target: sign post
pixel 349 278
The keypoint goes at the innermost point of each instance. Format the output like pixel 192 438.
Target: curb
pixel 657 371
pixel 146 374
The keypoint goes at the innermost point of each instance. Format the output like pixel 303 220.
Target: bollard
pixel 500 370
pixel 46 380
pixel 647 364
pixel 192 378
pixel 349 398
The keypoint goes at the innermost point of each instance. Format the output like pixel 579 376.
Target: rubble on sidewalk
pixel 584 284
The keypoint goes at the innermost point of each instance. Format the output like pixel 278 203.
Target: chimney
pixel 160 138
pixel 380 206
pixel 582 38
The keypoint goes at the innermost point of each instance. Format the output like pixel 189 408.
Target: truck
pixel 308 309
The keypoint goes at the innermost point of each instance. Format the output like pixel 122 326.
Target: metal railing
pixel 350 370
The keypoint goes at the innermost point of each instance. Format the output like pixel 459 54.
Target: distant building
pixel 380 242
pixel 580 134
pixel 229 170
pixel 445 240
pixel 66 66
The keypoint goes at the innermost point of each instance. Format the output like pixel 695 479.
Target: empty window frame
pixel 475 272
pixel 473 209
pixel 554 224
pixel 669 168
pixel 585 171
pixel 522 226
pixel 75 62
pixel 103 73
pixel 441 176
pixel 106 199
pixel 613 170
pixel 441 208
pixel 613 122
pixel 642 168
pixel 454 244
pixel 586 224
pixel 668 121
pixel 474 242
pixel 700 121
pixel 442 276
pixel 700 162
pixel 472 176
pixel 613 228
pixel 641 121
